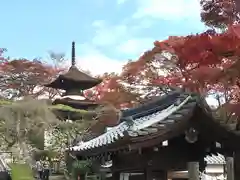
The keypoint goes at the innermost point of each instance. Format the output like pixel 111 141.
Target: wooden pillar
pixel 155 175
pixel 148 174
pixel 236 165
pixel 81 177
pixel 160 175
pixel 115 176
pixel 230 168
pixel 193 171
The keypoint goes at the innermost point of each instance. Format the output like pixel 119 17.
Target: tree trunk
pixel 236 165
pixel 26 154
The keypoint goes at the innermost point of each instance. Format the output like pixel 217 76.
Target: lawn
pixel 21 172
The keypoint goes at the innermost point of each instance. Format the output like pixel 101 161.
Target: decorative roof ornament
pixel 74 79
pixel 191 135
pixel 73 54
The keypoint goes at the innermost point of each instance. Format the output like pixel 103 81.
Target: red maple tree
pixel 22 77
pixel 237 3
pixel 220 13
pixel 204 63
pixel 111 91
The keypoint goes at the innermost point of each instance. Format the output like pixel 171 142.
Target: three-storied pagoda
pixel 171 133
pixel 74 82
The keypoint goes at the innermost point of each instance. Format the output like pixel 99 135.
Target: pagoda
pixel 74 82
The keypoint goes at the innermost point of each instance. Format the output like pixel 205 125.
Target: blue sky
pixel 106 32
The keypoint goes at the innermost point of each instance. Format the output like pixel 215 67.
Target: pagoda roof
pixel 74 79
pixel 78 104
pixel 63 114
pixel 165 118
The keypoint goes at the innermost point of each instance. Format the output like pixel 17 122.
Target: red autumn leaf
pixel 219 13
pixel 198 62
pixel 23 76
pixel 205 73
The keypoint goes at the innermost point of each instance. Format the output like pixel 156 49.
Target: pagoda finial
pixel 73 54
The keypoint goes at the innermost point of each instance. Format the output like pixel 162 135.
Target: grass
pixel 21 172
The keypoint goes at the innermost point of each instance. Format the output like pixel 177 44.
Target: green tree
pixel 64 134
pixel 18 121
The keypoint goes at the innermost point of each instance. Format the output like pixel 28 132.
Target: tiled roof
pixel 212 177
pixel 150 123
pixel 3 166
pixel 215 159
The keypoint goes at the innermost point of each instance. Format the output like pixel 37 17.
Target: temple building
pixel 174 132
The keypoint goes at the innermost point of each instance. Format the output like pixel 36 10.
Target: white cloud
pixel 98 63
pixel 168 9
pixel 135 46
pixel 121 36
pixel 121 1
pixel 98 23
pixel 107 35
pixel 91 59
pixel 145 23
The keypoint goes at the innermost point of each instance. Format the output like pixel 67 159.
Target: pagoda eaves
pixel 74 79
